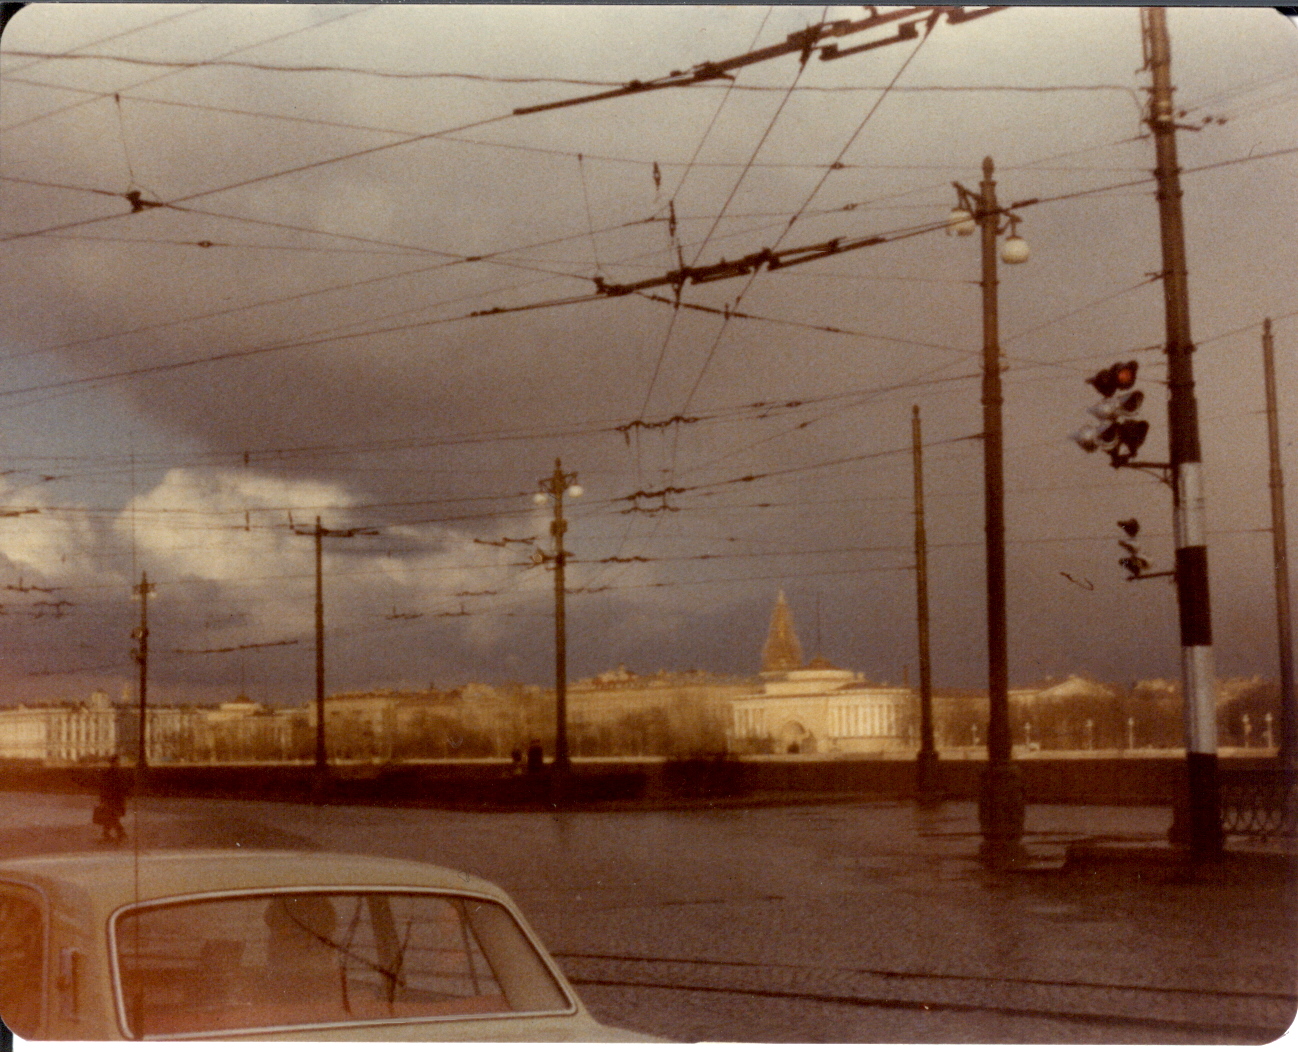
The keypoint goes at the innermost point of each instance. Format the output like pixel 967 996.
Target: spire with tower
pixel 782 652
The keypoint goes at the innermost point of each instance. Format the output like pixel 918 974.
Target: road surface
pixel 864 922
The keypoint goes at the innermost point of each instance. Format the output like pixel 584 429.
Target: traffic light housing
pixel 1119 432
pixel 1120 376
pixel 1133 562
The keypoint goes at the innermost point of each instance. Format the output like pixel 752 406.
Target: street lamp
pixel 553 490
pixel 142 591
pixel 1000 801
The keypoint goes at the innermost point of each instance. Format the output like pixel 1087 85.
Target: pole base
pixel 559 784
pixel 319 785
pixel 928 779
pixel 1001 812
pixel 1196 814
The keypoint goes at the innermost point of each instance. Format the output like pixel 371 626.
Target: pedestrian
pixel 516 762
pixel 535 758
pixel 111 808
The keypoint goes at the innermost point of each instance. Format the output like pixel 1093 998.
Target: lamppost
pixel 927 788
pixel 142 591
pixel 1000 801
pixel 552 491
pixel 320 772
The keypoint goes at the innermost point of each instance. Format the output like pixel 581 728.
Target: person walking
pixel 113 791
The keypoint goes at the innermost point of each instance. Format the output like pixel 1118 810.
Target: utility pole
pixel 321 756
pixel 141 655
pixel 1198 821
pixel 553 489
pixel 926 769
pixel 320 533
pixel 1001 809
pixel 1000 801
pixel 1280 550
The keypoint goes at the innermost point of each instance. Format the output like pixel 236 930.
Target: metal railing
pixel 1260 803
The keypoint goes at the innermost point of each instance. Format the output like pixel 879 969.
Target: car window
pixel 285 960
pixel 21 963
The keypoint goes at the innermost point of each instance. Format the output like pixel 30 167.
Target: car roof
pixel 122 877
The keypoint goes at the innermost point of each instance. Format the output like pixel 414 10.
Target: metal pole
pixel 142 658
pixel 926 769
pixel 557 529
pixel 1000 804
pixel 1280 549
pixel 1198 821
pixel 321 757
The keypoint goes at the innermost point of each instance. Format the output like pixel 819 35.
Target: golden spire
pixel 782 652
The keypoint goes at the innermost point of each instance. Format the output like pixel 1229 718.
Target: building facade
pixel 817 708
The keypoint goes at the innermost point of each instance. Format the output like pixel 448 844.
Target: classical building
pixel 817 708
pixel 621 712
pixel 244 729
pixel 80 732
pixel 58 733
pixel 474 720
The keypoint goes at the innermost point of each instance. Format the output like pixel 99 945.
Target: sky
pixel 263 264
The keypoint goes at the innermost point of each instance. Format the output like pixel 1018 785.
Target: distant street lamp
pixel 142 591
pixel 927 788
pixel 552 491
pixel 320 772
pixel 1000 802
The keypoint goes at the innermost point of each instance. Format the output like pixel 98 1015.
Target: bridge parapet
pixel 1259 802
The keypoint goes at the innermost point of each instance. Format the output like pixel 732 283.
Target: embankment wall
pixel 1149 780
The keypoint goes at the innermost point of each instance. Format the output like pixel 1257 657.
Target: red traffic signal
pixel 1119 376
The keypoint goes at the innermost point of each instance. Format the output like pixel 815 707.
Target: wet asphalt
pixel 860 922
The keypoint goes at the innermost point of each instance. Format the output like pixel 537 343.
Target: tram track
pixel 1235 1015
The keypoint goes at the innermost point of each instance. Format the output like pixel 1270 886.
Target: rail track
pixel 1245 1016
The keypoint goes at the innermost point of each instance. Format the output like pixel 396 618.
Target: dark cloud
pixel 372 400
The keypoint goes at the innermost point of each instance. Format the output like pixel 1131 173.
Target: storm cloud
pixel 268 263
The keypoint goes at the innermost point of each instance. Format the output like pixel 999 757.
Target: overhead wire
pixel 171 73
pixel 760 409
pixel 565 301
pixel 353 237
pixel 689 168
pixel 788 226
pixel 208 243
pixel 707 360
pixel 675 191
pixel 556 152
pixel 590 220
pixel 449 259
pixel 41 57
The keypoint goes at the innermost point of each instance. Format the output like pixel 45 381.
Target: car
pixel 273 945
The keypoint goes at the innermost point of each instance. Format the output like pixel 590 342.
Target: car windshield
pixel 252 962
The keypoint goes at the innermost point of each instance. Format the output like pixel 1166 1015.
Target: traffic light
pixel 1133 562
pixel 1119 433
pixel 1120 376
